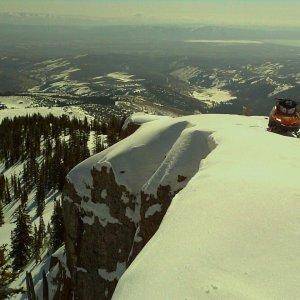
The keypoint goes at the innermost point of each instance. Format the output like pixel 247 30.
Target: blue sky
pixel 221 12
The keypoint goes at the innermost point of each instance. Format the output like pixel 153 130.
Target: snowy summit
pixel 233 231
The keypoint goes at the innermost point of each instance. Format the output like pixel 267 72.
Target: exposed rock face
pixel 110 217
pixel 100 250
pixel 98 244
pixel 129 129
pixel 57 282
pixel 152 212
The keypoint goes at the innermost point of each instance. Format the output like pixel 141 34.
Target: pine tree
pixel 40 197
pixel 42 228
pixel 1 214
pixel 33 168
pixel 37 244
pixel 26 177
pixel 6 276
pixel 47 147
pixel 13 181
pixel 48 230
pixel 19 189
pixel 24 198
pixel 98 145
pixel 21 239
pixel 2 187
pixel 7 195
pixel 57 227
pixel 103 128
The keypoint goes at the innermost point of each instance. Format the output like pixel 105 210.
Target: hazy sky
pixel 227 12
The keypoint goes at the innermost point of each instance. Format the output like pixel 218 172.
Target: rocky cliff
pixel 115 201
pixel 185 208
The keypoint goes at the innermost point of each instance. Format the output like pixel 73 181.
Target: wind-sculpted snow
pixel 187 206
pixel 183 159
pixel 132 160
pixel 116 200
pixel 141 118
pixel 233 231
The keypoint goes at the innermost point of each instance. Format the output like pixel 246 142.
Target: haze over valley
pixel 164 69
pixel 142 152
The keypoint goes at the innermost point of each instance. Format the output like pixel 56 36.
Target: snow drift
pixel 233 231
pixel 115 200
pixel 230 232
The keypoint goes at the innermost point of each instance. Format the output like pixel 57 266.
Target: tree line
pixel 46 148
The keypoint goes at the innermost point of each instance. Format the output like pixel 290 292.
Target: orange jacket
pixel 284 119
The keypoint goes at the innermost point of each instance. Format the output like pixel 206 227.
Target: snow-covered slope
pixel 233 231
pixel 22 106
pixel 71 111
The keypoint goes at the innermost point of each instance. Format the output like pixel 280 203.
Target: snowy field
pixel 24 105
pixel 58 76
pixel 213 95
pixel 17 101
pixel 186 73
pixel 233 231
pixel 124 77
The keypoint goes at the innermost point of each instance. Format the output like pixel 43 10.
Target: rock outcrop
pixel 99 236
pixel 56 283
pixel 115 201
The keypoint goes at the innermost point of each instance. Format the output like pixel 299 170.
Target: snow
pixel 233 231
pixel 36 272
pixel 121 76
pixel 124 198
pixel 137 238
pixel 212 95
pixel 192 146
pixel 91 141
pixel 111 276
pixel 21 106
pixel 56 77
pixel 141 118
pixel 99 82
pixel 103 194
pixel 186 73
pixel 16 101
pixel 81 270
pixel 44 111
pixel 100 210
pixel 280 89
pixel 152 210
pixel 132 215
pixel 16 109
pixel 52 64
pixel 5 234
pixel 10 209
pixel 60 254
pixel 127 158
pixel 80 56
pixel 98 77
